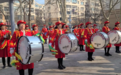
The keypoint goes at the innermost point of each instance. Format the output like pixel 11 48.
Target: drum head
pixel 24 50
pixel 74 42
pixel 64 44
pixel 114 37
pixel 99 40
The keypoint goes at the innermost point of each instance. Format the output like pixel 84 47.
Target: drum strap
pixel 23 33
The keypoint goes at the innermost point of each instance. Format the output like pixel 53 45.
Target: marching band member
pixel 4 45
pixel 87 34
pixel 76 32
pixel 16 35
pixel 106 30
pixel 117 25
pixel 44 31
pixel 58 31
pixel 68 29
pixel 27 29
pixel 81 37
pixel 95 28
pixel 64 27
pixel 35 29
pixel 50 33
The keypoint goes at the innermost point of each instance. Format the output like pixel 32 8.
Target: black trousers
pixel 117 48
pixel 60 61
pixel 107 50
pixel 30 72
pixel 81 47
pixel 8 61
pixel 90 55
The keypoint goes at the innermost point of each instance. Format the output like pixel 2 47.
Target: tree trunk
pixel 29 16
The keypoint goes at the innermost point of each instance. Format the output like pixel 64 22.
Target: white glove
pixel 50 44
pixel 5 36
pixel 11 50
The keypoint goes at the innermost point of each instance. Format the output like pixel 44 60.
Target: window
pixel 1 16
pixel 74 1
pixel 67 0
pixel 68 6
pixel 6 8
pixel 36 5
pixel 82 8
pixel 82 3
pixel 32 17
pixel 68 12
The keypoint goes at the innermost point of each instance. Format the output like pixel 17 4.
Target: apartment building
pixel 77 9
pixel 20 14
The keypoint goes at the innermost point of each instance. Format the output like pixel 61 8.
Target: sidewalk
pixel 76 64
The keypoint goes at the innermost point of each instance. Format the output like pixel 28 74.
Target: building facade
pixel 76 11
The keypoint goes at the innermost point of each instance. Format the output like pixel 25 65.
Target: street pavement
pixel 76 64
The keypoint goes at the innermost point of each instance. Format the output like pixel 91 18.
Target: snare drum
pixel 99 40
pixel 68 43
pixel 115 37
pixel 30 48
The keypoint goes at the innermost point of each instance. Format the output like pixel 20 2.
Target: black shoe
pixel 63 66
pixel 9 66
pixel 89 59
pixel 60 67
pixel 109 54
pixel 106 54
pixel 92 59
pixel 118 52
pixel 3 67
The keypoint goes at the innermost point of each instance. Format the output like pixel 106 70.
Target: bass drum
pixel 115 37
pixel 99 40
pixel 30 48
pixel 68 43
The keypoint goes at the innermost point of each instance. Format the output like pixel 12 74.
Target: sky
pixel 40 1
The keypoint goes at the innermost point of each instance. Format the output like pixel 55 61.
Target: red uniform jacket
pixel 14 39
pixel 29 31
pixel 81 36
pixel 50 33
pixel 95 30
pixel 44 31
pixel 5 49
pixel 34 32
pixel 87 34
pixel 117 28
pixel 57 34
pixel 76 32
pixel 106 30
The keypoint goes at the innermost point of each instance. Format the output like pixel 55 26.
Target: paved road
pixel 76 64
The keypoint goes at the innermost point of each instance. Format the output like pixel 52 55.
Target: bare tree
pixel 61 4
pixel 110 4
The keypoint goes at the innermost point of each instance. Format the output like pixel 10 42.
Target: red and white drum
pixel 30 48
pixel 99 40
pixel 68 43
pixel 115 37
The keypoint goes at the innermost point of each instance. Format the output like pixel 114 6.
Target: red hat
pixel 2 24
pixel 51 26
pixel 81 24
pixel 63 24
pixel 88 23
pixel 75 26
pixel 21 21
pixel 117 23
pixel 26 26
pixel 94 25
pixel 57 23
pixel 67 26
pixel 34 25
pixel 106 22
pixel 44 25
